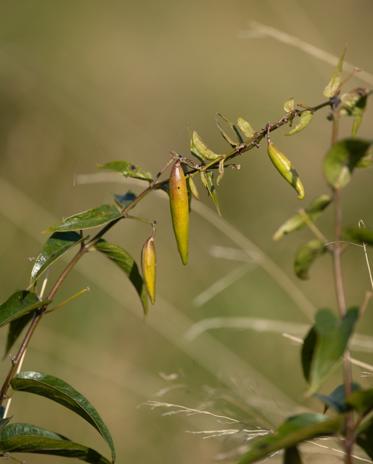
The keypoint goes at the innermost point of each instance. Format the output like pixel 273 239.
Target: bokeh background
pixel 84 82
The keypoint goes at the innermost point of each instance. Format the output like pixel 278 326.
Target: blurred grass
pixel 85 82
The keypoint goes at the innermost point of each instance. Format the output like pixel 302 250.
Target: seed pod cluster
pixel 285 168
pixel 149 264
pixel 179 206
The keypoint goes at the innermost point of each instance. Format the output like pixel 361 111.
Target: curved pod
pixel 149 264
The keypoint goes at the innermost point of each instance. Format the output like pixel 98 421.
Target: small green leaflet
pixel 299 220
pixel 365 436
pixel 127 170
pixel 27 438
pixel 55 247
pixel 354 104
pixel 199 149
pixel 360 235
pixel 62 393
pixel 124 261
pixel 246 128
pixel 289 105
pixel 207 179
pixel 333 87
pixel 20 303
pixel 342 158
pixel 294 430
pixel 304 119
pixel 306 256
pixel 224 125
pixel 89 219
pixel 331 340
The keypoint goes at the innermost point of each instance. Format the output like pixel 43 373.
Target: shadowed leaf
pixel 292 456
pixel 20 303
pixel 15 329
pixel 207 179
pixel 360 235
pixel 365 436
pixel 62 393
pixel 306 256
pixel 89 219
pixel 124 261
pixel 27 438
pixel 342 158
pixel 55 247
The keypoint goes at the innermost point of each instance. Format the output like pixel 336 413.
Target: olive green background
pixel 84 82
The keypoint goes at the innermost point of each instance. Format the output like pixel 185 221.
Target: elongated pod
pixel 179 209
pixel 285 168
pixel 149 264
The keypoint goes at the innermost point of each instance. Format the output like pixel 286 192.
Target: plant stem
pixel 240 149
pixel 341 305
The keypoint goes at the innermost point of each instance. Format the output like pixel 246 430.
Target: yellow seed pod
pixel 149 264
pixel 179 209
pixel 285 168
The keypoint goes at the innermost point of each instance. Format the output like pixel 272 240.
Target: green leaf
pixel 124 261
pixel 335 82
pixel 20 303
pixel 354 104
pixel 15 329
pixel 55 247
pixel 360 235
pixel 336 399
pixel 305 257
pixel 307 352
pixel 228 130
pixel 207 179
pixel 299 220
pixel 342 158
pixel 304 120
pixel 361 401
pixel 365 436
pixel 199 149
pixel 27 438
pixel 89 219
pixel 292 456
pixel 289 105
pixel 127 170
pixel 333 335
pixel 62 393
pixel 246 128
pixel 294 430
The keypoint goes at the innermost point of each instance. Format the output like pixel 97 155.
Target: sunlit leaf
pixel 62 393
pixel 20 303
pixel 199 149
pixel 294 430
pixel 55 247
pixel 27 438
pixel 127 170
pixel 335 82
pixel 299 220
pixel 304 119
pixel 289 105
pixel 89 219
pixel 332 337
pixel 207 179
pixel 124 261
pixel 292 456
pixel 306 256
pixel 342 158
pixel 246 128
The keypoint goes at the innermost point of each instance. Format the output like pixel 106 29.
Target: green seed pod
pixel 284 167
pixel 179 205
pixel 149 264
